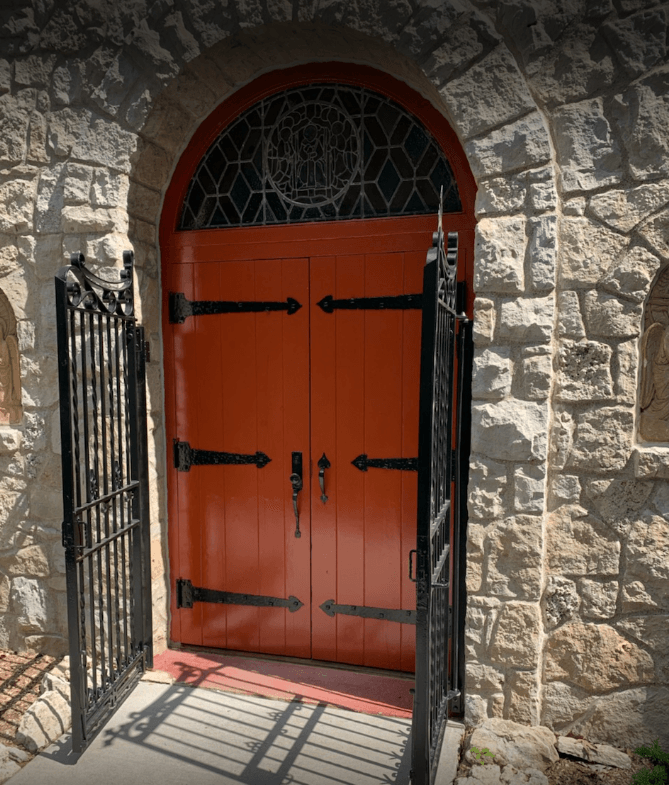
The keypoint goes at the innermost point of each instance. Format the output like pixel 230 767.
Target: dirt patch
pixel 567 771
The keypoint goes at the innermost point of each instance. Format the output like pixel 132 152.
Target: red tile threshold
pixel 355 690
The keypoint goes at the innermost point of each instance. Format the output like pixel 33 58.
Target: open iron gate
pixel 101 363
pixel 443 450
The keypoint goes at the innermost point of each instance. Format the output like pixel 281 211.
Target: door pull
pixel 296 482
pixel 323 464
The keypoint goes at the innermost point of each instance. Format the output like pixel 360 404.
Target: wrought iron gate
pixel 101 359
pixel 443 450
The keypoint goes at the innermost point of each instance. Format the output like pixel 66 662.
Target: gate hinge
pixel 67 538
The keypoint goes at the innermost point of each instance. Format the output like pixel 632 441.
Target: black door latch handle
pixel 323 464
pixel 296 482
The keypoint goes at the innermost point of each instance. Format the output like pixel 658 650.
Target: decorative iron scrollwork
pixel 93 293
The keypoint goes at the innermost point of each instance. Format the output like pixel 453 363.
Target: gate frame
pixel 79 291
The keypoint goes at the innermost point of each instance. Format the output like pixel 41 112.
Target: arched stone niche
pixel 11 410
pixel 654 389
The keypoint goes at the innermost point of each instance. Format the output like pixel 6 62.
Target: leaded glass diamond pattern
pixel 319 152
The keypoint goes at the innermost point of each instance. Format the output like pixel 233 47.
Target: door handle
pixel 323 464
pixel 296 482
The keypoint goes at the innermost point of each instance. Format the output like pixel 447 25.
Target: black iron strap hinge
pixel 187 594
pixel 186 456
pixel 366 612
pixel 400 302
pixel 362 462
pixel 181 308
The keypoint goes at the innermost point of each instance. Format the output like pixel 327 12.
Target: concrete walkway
pixel 180 735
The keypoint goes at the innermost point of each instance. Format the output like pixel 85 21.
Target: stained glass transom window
pixel 320 152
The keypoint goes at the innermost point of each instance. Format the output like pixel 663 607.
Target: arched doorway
pixel 293 235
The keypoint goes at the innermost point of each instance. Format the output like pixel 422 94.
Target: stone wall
pixel 562 109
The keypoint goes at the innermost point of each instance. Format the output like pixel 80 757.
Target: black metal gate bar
pixel 437 461
pixel 101 358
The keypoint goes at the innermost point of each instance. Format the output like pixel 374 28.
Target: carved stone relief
pixel 10 376
pixel 654 399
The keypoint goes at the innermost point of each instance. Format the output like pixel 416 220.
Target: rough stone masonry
pixel 562 107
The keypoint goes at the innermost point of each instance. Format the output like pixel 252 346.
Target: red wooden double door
pixel 342 384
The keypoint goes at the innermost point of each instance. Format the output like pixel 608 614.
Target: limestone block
pixel 641 114
pixel 484 321
pixel 651 462
pixel 522 144
pixel 543 252
pixel 487 485
pixel 17 202
pixel 104 143
pixel 481 617
pixel 602 439
pixel 543 195
pixel 631 276
pixel 65 128
pixel 598 598
pixel 620 663
pixel 566 489
pixel 458 44
pixel 623 209
pixel 476 711
pixel 45 721
pixel 153 166
pixel 66 83
pixel 4 593
pixel 143 203
pixel 8 768
pixel 501 195
pixel 10 439
pixel 609 316
pixel 584 371
pixel 656 231
pixel 527 319
pixel 77 180
pixel 579 63
pixel 646 578
pixel 651 631
pixel 580 546
pixel 483 678
pixel 78 219
pixel 14 119
pixel 537 372
pixel 595 753
pixel 31 561
pixel 522 703
pixel 49 204
pixel 384 18
pixel 28 600
pixel 627 718
pixel 5 76
pixel 570 322
pixel 640 41
pixel 586 252
pixel 574 206
pixel 13 507
pixel 510 430
pixel 624 369
pixel 46 504
pixel 516 635
pixel 500 253
pixel 618 501
pixel 37 139
pixel 514 563
pixel 17 287
pixel 560 601
pixel 587 153
pixel 210 19
pixel 515 745
pixel 110 189
pixel 491 376
pixel 489 93
pixel 529 483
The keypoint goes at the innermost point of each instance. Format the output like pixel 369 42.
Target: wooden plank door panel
pixel 364 400
pixel 247 390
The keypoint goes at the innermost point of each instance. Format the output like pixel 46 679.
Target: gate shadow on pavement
pixel 165 734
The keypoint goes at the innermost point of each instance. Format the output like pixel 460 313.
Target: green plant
pixel 659 773
pixel 478 754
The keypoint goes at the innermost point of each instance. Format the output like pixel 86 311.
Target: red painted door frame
pixel 322 239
